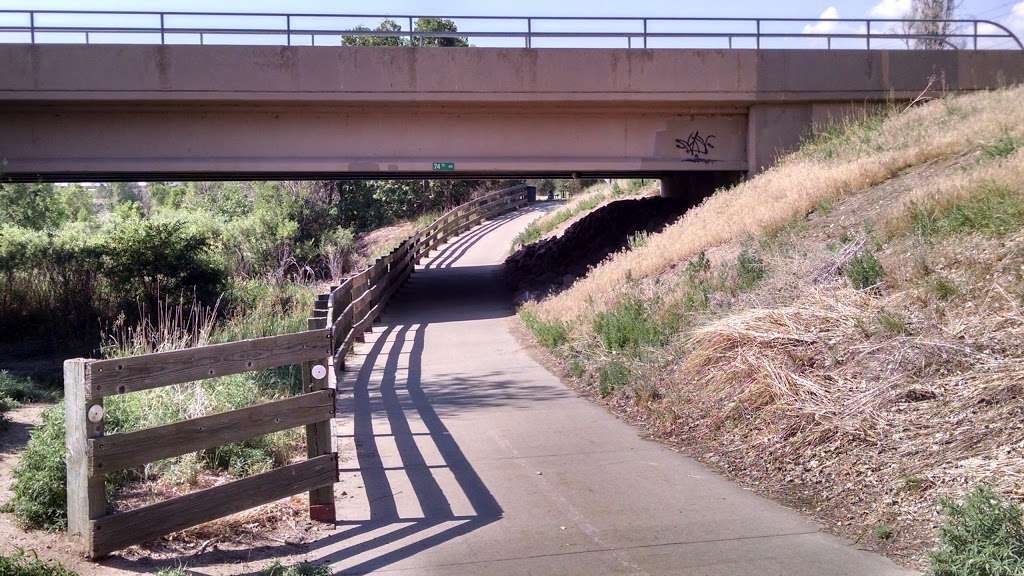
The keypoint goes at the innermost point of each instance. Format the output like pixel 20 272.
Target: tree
pixel 387 25
pixel 440 25
pixel 931 18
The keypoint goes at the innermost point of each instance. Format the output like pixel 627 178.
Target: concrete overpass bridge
pixel 690 116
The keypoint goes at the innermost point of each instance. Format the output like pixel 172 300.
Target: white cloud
pixel 1017 15
pixel 890 9
pixel 823 27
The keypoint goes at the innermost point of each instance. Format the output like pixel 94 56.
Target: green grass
pixel 981 535
pixel 21 563
pixel 993 211
pixel 1004 147
pixel 550 334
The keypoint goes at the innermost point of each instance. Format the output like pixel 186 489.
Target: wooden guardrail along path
pixel 339 319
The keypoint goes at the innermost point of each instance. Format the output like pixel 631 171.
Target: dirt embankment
pixel 551 264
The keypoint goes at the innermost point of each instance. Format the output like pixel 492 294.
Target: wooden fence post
pixel 83 420
pixel 318 434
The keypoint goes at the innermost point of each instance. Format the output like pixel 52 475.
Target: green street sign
pixel 444 166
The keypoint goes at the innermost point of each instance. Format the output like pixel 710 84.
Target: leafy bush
pixel 21 564
pixel 864 270
pixel 550 334
pixel 144 258
pixel 629 326
pixel 982 536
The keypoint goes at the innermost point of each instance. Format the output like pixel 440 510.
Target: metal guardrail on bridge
pixel 136 27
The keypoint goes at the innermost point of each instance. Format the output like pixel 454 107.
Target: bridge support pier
pixel 695 186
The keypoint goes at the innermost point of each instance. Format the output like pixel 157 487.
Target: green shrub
pixel 629 326
pixel 144 259
pixel 22 564
pixel 303 569
pixel 750 270
pixel 39 492
pixel 23 389
pixel 612 376
pixel 981 536
pixel 550 334
pixel 864 270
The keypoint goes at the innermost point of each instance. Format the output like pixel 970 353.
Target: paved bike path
pixel 462 455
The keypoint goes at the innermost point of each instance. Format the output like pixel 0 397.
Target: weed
pixel 612 376
pixel 698 265
pixel 882 532
pixel 179 571
pixel 550 334
pixel 824 205
pixel 629 326
pixel 638 240
pixel 864 270
pixel 893 323
pixel 750 270
pixel 21 563
pixel 576 368
pixel 303 569
pixel 915 484
pixel 983 535
pixel 943 288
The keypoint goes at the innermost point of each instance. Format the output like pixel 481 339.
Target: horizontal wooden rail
pixel 122 375
pixel 116 531
pixel 119 451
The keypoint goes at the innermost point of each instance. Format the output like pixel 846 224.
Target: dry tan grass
pixel 866 157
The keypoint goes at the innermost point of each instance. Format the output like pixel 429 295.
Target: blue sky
pixel 1010 12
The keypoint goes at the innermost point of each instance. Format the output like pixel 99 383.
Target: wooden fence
pixel 339 319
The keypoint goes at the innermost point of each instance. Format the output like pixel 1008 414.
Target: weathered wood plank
pixel 121 375
pixel 116 531
pixel 318 437
pixel 86 498
pixel 119 451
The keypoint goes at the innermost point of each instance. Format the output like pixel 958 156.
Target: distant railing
pixel 122 26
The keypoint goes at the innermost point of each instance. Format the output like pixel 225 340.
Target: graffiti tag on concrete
pixel 697 147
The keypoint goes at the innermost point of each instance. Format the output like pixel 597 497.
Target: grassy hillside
pixel 842 332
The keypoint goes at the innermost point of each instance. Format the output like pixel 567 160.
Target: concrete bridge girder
pixel 73 112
